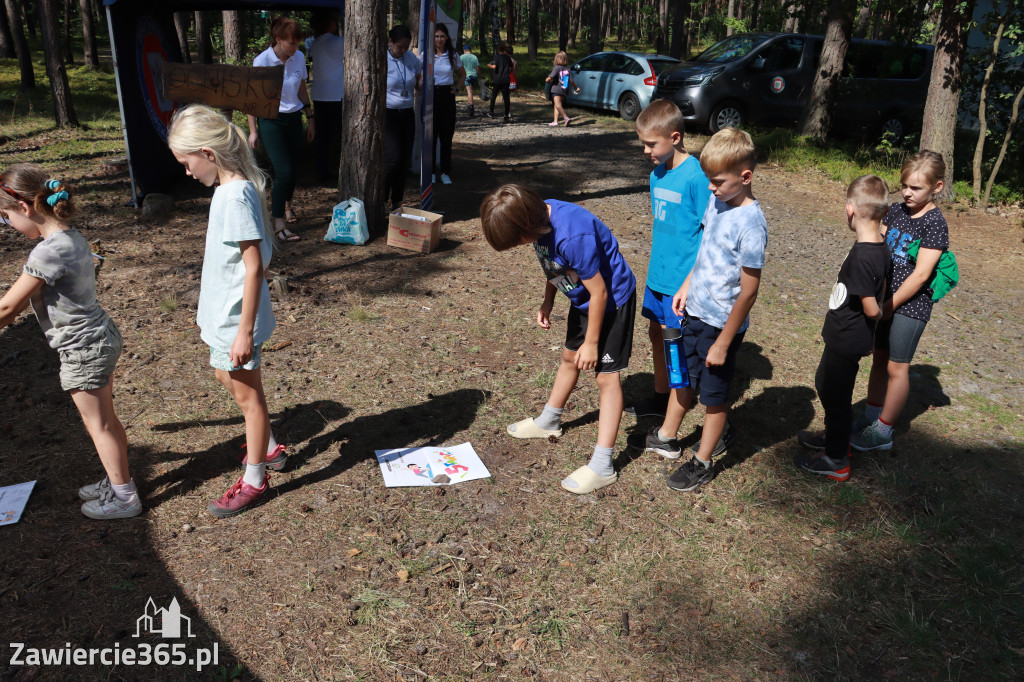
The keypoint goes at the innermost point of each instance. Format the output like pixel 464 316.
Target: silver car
pixel 619 81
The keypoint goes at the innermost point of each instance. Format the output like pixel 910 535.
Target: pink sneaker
pixel 275 460
pixel 238 498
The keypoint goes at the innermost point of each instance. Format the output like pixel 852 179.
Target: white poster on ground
pixel 430 466
pixel 13 499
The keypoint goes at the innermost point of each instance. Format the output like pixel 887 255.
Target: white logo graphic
pixel 838 297
pixel 164 622
pixel 778 84
pixel 607 359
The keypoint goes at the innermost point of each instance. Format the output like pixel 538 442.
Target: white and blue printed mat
pixel 430 466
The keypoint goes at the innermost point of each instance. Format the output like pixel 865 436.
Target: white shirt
pixel 294 75
pixel 236 215
pixel 402 79
pixel 443 73
pixel 328 54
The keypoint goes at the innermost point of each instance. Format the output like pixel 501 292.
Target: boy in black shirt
pixel 854 307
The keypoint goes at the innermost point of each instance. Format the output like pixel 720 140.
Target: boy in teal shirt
pixel 679 195
pixel 470 63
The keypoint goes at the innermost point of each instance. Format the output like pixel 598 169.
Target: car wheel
pixel 893 128
pixel 727 115
pixel 629 106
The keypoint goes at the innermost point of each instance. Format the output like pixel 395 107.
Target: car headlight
pixel 698 79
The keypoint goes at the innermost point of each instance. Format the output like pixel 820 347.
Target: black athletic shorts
pixel 616 342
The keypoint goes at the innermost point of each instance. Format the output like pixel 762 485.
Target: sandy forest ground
pixel 909 571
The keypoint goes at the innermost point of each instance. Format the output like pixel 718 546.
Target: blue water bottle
pixel 675 359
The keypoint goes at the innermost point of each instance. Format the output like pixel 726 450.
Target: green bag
pixel 947 272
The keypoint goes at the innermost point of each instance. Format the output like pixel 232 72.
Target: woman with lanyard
pixel 282 136
pixel 404 74
pixel 446 67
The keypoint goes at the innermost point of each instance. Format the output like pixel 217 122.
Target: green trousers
pixel 282 138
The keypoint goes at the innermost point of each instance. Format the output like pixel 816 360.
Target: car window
pixel 783 55
pixel 660 65
pixel 884 61
pixel 730 49
pixel 594 62
pixel 635 68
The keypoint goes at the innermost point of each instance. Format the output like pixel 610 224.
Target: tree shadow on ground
pixel 67 578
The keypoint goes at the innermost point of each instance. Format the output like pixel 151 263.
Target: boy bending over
pixel 580 257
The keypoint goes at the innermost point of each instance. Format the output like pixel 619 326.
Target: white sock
pixel 271 444
pixel 254 474
pixel 883 428
pixel 124 491
pixel 601 461
pixel 872 412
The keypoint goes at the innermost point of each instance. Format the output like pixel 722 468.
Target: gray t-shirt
pixel 66 308
pixel 235 216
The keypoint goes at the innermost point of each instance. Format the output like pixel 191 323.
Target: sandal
pixel 286 235
pixel 528 428
pixel 290 217
pixel 587 481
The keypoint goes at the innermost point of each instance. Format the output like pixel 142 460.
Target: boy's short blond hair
pixel 870 195
pixel 728 150
pixel 511 213
pixel 662 118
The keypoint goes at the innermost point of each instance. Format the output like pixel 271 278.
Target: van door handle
pixel 618 80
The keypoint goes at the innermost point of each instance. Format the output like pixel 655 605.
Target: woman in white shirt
pixel 328 55
pixel 448 73
pixel 404 75
pixel 282 136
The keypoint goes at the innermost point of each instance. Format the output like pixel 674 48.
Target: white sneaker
pixel 109 506
pixel 445 179
pixel 94 491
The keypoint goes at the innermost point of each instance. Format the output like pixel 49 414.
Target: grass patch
pixel 361 314
pixel 169 304
pixel 375 603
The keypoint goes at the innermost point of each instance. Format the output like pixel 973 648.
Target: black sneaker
pixel 812 440
pixel 728 436
pixel 691 476
pixel 649 407
pixel 820 463
pixel 650 442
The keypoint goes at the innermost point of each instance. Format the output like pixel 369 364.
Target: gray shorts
pixel 221 360
pixel 90 367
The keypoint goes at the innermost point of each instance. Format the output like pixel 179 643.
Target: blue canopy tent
pixel 142 38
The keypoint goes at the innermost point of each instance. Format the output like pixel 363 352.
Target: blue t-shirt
pixel 734 238
pixel 579 247
pixel 678 199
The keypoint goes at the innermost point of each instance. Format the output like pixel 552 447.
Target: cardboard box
pixel 415 230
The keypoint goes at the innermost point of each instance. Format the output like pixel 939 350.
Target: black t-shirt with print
pixel 903 230
pixel 847 329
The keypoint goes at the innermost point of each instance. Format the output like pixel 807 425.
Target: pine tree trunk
pixel 680 13
pixel 7 48
pixel 181 23
pixel 596 42
pixel 30 15
pixel 563 25
pixel 234 36
pixel 361 174
pixel 979 147
pixel 63 108
pixel 532 30
pixel 28 76
pixel 860 29
pixel 510 22
pixel 414 23
pixel 575 12
pixel 68 55
pixel 730 14
pixel 91 52
pixel 1014 111
pixel 816 121
pixel 204 46
pixel 937 133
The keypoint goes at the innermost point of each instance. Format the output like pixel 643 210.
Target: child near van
pixel 60 282
pixel 717 296
pixel 906 314
pixel 561 82
pixel 855 306
pixel 679 195
pixel 580 257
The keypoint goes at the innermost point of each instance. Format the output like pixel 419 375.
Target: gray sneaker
pixel 650 442
pixel 94 491
pixel 728 436
pixel 860 423
pixel 108 506
pixel 870 438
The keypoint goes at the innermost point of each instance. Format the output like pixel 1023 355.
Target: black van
pixel 767 78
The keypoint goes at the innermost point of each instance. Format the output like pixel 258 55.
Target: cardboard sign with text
pixel 415 230
pixel 256 90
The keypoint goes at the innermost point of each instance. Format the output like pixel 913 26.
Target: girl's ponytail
pixel 48 196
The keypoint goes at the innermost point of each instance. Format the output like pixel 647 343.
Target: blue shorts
pixel 658 307
pixel 471 81
pixel 221 360
pixel 899 336
pixel 711 384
